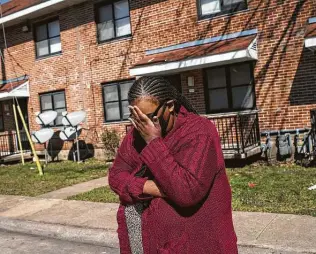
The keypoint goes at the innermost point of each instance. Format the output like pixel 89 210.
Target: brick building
pixel 249 66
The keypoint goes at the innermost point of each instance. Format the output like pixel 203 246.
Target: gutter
pixel 35 8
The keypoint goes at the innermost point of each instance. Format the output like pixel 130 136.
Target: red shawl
pixel 188 166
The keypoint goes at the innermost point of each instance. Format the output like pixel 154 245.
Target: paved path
pixel 66 192
pixel 14 243
pixel 254 250
pixel 95 223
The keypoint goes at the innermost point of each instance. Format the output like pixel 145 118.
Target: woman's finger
pixel 132 111
pixel 137 126
pixel 135 115
pixel 138 121
pixel 140 125
pixel 141 115
pixel 133 123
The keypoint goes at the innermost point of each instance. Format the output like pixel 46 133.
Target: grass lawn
pixel 102 194
pixel 25 180
pixel 277 189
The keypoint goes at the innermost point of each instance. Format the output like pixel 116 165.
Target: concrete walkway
pixel 66 192
pixel 95 223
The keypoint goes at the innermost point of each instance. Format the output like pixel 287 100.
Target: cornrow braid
pixel 159 88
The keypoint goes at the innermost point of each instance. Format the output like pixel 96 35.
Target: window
pixel 113 20
pixel 115 101
pixel 211 8
pixel 230 88
pixel 47 38
pixel 54 101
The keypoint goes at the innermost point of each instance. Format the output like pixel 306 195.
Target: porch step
pixel 15 158
pixel 233 154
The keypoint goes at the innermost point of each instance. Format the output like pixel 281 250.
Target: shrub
pixel 111 142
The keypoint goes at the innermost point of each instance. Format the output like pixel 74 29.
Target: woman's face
pixel 149 105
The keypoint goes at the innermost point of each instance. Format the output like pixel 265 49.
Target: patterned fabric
pixel 188 166
pixel 133 217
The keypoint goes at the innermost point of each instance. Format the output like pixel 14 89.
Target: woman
pixel 170 176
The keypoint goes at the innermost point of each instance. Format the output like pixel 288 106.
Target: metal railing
pixel 313 130
pixel 237 131
pixel 9 144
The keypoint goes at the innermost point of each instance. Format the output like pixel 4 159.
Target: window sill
pixel 48 56
pixel 234 113
pixel 114 40
pixel 220 15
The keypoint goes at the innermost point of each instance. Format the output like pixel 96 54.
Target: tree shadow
pixel 55 146
pixel 86 151
pixel 302 92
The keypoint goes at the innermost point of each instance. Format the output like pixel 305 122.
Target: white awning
pixel 37 10
pixel 22 91
pixel 310 43
pixel 310 34
pixel 187 59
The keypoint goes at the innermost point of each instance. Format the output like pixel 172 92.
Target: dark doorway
pixel 175 80
pixel 23 105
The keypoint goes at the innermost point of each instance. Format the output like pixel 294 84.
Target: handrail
pixel 238 131
pixel 230 114
pixel 9 144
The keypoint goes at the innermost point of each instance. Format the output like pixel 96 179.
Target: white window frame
pixel 48 39
pixel 228 9
pixel 229 89
pixel 119 100
pixel 114 20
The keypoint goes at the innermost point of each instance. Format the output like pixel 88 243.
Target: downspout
pixel 3 71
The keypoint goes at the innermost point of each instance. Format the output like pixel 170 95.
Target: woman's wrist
pixel 151 139
pixel 151 188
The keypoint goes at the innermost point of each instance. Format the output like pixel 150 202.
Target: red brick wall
pixel 285 73
pixel 8 116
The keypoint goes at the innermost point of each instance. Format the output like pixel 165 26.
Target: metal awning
pixel 17 11
pixel 216 53
pixel 19 89
pixel 310 34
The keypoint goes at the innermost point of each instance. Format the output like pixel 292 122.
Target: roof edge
pixel 24 77
pixel 194 63
pixel 29 10
pixel 202 42
pixel 312 20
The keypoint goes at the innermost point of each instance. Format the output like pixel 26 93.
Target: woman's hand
pixel 148 129
pixel 151 188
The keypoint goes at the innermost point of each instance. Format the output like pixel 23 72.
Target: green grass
pixel 103 194
pixel 25 180
pixel 278 189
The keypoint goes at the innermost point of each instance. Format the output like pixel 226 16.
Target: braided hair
pixel 160 89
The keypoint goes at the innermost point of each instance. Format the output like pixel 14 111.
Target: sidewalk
pixel 95 223
pixel 73 190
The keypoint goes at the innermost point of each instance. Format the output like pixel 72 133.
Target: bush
pixel 111 142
